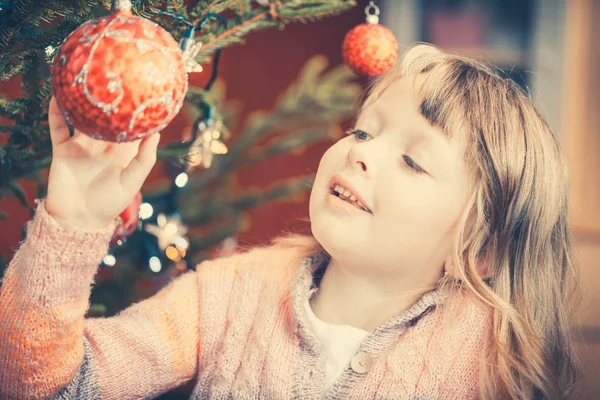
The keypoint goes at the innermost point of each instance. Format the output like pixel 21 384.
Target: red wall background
pixel 255 73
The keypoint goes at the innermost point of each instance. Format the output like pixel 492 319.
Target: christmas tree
pixel 185 217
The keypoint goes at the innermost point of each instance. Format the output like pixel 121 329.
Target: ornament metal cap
pixel 122 5
pixel 372 13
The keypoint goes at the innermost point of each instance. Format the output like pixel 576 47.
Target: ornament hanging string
pixel 187 42
pixel 372 12
pixel 190 33
pixel 171 196
pixel 122 5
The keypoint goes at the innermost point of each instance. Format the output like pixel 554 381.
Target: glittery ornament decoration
pixel 119 78
pixel 127 221
pixel 189 57
pixel 370 49
pixel 168 231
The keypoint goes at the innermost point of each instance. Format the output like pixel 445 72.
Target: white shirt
pixel 339 341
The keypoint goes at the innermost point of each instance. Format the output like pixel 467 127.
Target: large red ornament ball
pixel 370 49
pixel 119 78
pixel 127 220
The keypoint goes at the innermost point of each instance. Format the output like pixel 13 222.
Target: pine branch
pixel 312 93
pixel 296 143
pixel 27 149
pixel 35 12
pixel 219 7
pixel 16 190
pixel 12 108
pixel 216 206
pixel 29 14
pixel 261 18
pixel 10 68
pixel 45 92
pixel 22 129
pixel 31 76
pixel 295 11
pixel 24 46
pixel 203 7
pixel 233 33
pixel 242 7
pixel 178 7
pixel 328 97
pixel 146 8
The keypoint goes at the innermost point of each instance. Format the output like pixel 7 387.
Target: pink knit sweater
pixel 236 324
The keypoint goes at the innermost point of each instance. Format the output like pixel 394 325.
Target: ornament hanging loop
pixel 122 5
pixel 372 12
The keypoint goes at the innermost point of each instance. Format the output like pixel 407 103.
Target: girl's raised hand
pixel 92 181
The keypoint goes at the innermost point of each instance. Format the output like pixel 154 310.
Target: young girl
pixel 439 268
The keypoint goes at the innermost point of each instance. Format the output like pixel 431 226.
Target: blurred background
pixel 549 47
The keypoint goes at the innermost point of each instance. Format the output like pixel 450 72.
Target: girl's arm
pixel 48 349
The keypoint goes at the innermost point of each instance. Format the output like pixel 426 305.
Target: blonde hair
pixel 515 225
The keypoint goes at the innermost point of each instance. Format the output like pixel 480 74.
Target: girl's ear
pixel 449 267
pixel 483 266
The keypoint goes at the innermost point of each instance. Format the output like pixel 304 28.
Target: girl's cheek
pixel 334 153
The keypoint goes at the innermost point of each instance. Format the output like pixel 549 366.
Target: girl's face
pixel 410 176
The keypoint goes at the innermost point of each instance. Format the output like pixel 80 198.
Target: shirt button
pixel 362 362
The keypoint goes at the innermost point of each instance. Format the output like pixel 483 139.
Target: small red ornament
pixel 127 220
pixel 119 78
pixel 370 49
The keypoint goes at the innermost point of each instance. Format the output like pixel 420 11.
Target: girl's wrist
pixel 83 223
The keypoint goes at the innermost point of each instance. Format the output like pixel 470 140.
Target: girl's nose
pixel 359 159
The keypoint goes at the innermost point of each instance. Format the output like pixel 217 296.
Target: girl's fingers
pixel 123 153
pixel 59 131
pixel 140 166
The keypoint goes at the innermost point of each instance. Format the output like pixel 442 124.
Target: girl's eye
pixel 412 165
pixel 360 134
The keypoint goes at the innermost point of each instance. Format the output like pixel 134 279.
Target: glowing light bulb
pixel 155 264
pixel 109 260
pixel 181 180
pixel 146 211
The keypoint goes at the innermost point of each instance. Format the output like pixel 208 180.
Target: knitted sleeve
pixel 49 350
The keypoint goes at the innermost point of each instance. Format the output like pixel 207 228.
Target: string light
pixel 168 230
pixel 155 264
pixel 181 242
pixel 50 50
pixel 174 254
pixel 146 211
pixel 181 180
pixel 177 251
pixel 109 260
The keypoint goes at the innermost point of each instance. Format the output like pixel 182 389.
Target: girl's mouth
pixel 345 195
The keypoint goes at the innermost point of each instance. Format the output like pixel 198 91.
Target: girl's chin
pixel 337 240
